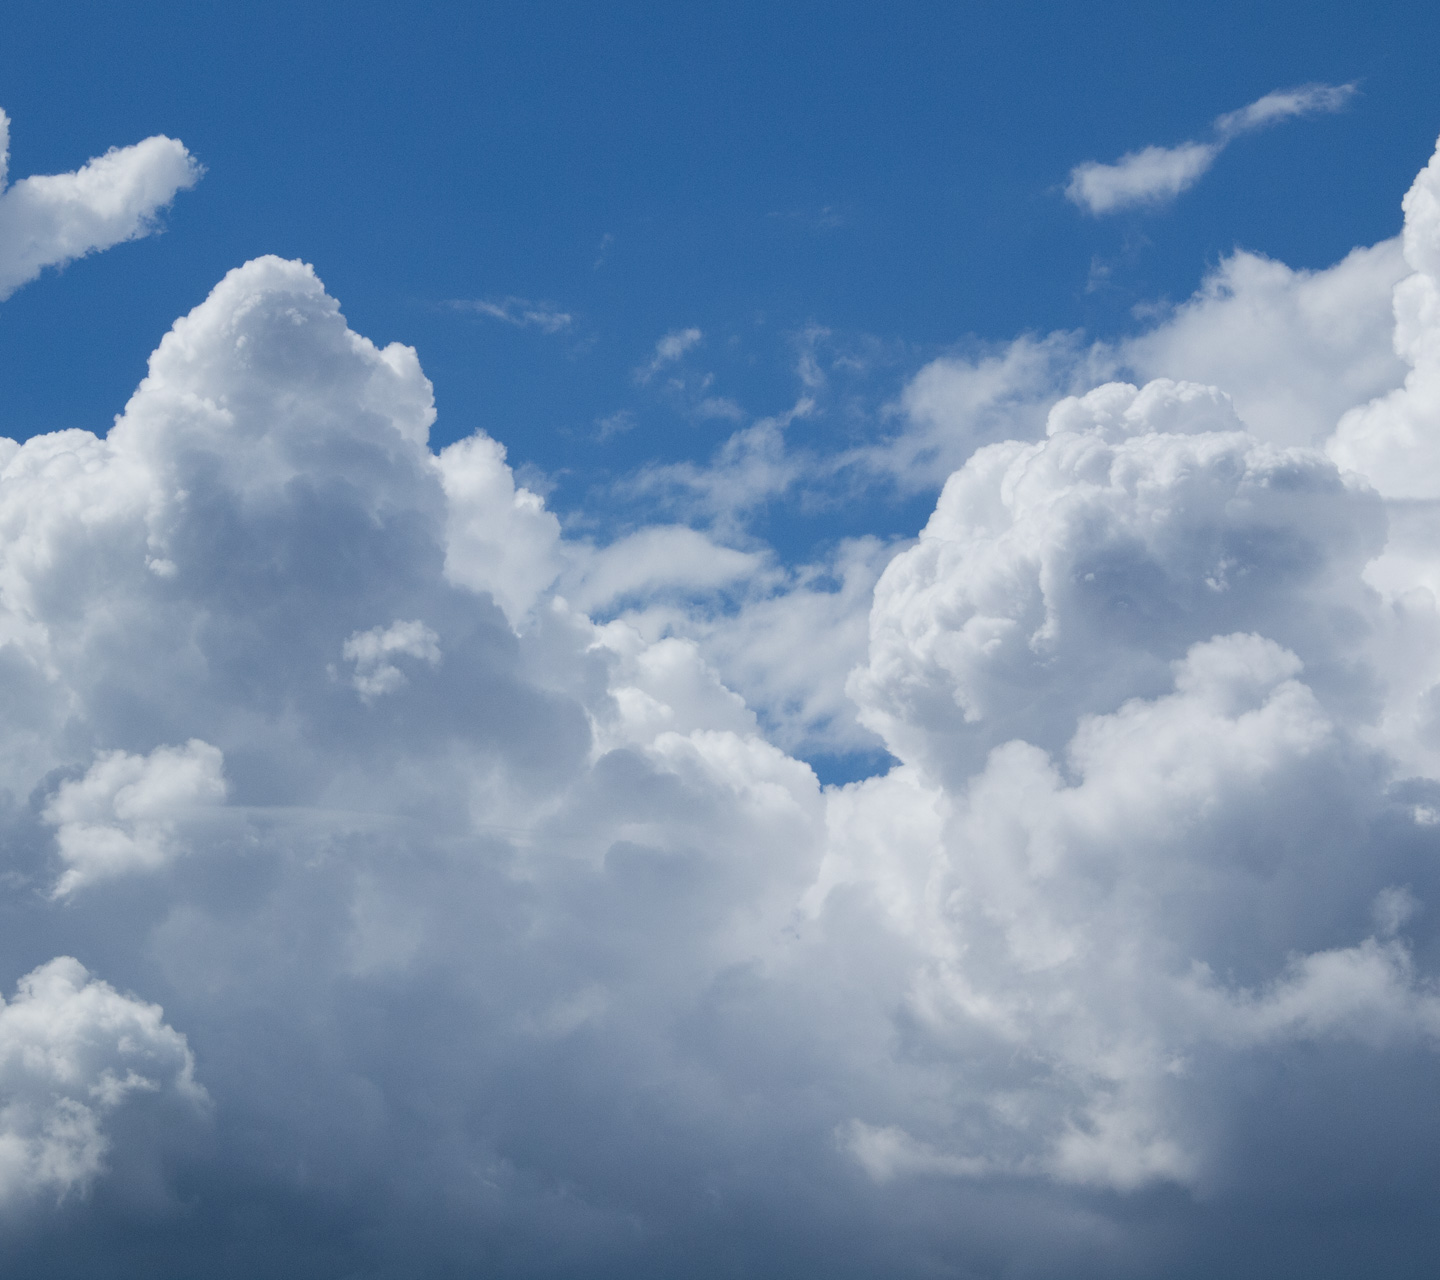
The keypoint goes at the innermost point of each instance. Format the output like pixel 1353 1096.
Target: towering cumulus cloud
pixel 375 911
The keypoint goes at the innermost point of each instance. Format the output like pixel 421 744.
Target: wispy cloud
pixel 1284 104
pixel 614 424
pixel 668 350
pixel 1156 175
pixel 520 312
pixel 719 407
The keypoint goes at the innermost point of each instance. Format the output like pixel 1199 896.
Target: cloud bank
pixel 1156 175
pixel 395 886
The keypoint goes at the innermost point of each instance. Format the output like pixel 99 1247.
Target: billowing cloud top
pixel 371 908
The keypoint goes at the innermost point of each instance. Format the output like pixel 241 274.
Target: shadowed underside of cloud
pixel 1156 175
pixel 376 909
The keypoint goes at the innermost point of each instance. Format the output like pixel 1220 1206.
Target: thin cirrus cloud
pixel 520 312
pixel 1155 175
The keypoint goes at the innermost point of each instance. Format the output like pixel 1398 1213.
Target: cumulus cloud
pixel 1390 439
pixel 1293 349
pixel 124 814
pixel 73 1051
pixel 508 933
pixel 1156 175
pixel 47 221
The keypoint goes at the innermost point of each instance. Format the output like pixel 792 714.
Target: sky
pixel 726 640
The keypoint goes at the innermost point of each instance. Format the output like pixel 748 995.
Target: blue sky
pixel 892 175
pixel 720 641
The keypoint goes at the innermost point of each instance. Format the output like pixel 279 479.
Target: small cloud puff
pixel 371 652
pixel 128 811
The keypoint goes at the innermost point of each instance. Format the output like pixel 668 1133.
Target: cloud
pixel 1388 440
pixel 1032 546
pixel 51 220
pixel 955 404
pixel 1293 349
pixel 790 643
pixel 614 424
pixel 520 312
pixel 73 1051
pixel 1156 175
pixel 371 652
pixel 824 218
pixel 650 562
pixel 1285 104
pixel 499 928
pixel 668 350
pixel 1152 175
pixel 499 537
pixel 124 814
pixel 750 468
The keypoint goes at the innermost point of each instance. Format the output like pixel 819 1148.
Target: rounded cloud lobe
pixel 503 940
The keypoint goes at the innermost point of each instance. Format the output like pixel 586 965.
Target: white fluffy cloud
pixel 1293 349
pixel 1391 440
pixel 72 1052
pixel 47 221
pixel 124 814
pixel 509 934
pixel 1075 568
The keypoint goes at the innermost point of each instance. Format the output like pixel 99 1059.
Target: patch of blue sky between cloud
pixel 1155 175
